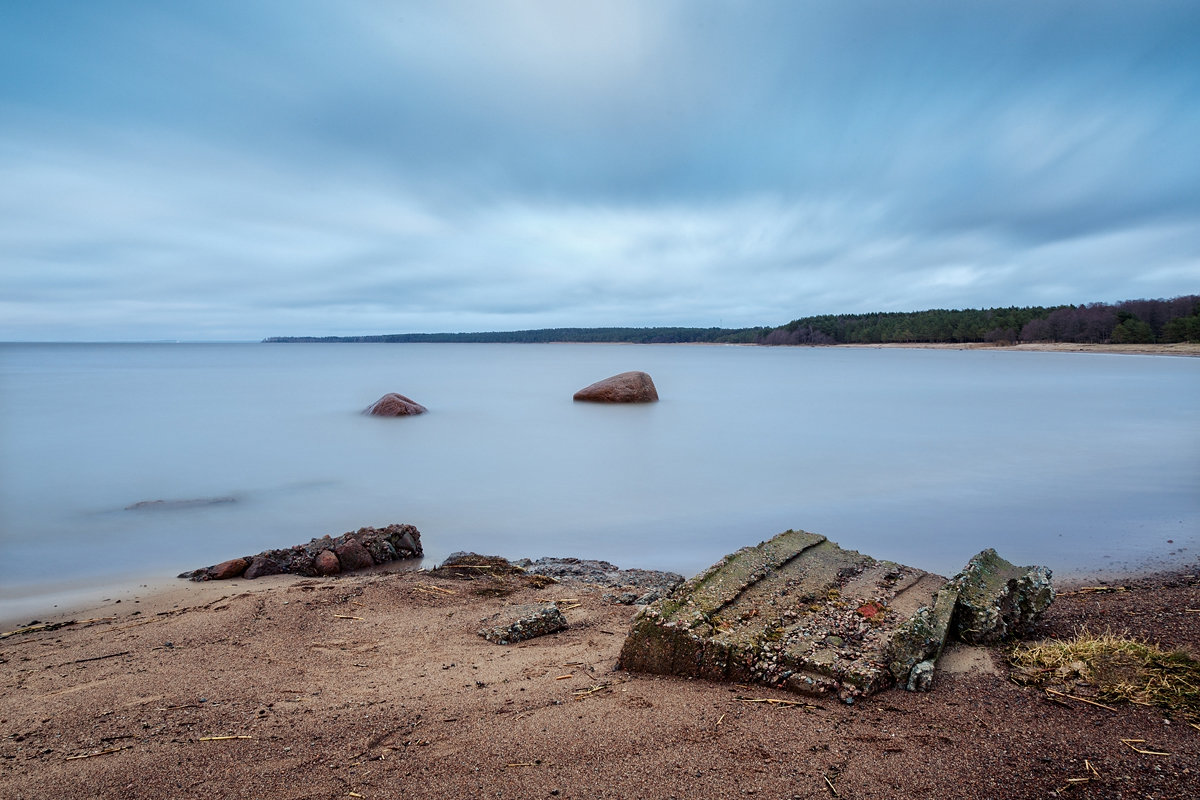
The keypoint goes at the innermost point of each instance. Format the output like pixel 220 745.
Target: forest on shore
pixel 1129 322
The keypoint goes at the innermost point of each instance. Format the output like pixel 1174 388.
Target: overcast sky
pixel 235 170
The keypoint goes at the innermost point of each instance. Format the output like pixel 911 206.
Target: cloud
pixel 234 171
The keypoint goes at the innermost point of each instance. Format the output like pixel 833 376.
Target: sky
pixel 232 170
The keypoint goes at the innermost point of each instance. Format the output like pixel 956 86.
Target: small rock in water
pixel 394 405
pixel 173 505
pixel 628 387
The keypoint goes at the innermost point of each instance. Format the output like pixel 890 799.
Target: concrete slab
pixel 797 612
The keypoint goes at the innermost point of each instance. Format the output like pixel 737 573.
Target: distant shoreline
pixel 1191 349
pixel 1185 349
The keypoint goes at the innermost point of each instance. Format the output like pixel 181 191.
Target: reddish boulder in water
pixel 326 563
pixel 262 565
pixel 352 555
pixel 395 405
pixel 628 387
pixel 228 569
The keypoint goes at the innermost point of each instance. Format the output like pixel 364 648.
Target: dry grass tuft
pixel 1114 669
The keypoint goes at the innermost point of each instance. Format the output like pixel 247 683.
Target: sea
pixel 1087 463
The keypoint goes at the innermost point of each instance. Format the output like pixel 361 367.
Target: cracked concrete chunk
pixel 997 599
pixel 518 623
pixel 796 611
pixel 921 677
pixel 920 639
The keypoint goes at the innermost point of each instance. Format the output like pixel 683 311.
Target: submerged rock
pixel 997 599
pixel 518 623
pixel 395 405
pixel 628 387
pixel 175 505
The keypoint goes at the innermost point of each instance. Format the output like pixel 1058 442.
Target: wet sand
pixel 377 685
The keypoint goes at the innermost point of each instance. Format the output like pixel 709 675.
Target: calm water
pixel 1081 462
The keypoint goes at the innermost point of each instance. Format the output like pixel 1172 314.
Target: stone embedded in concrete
pixel 521 622
pixel 797 612
pixel 997 599
pixel 920 679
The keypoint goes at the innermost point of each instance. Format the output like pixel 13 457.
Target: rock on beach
pixel 327 555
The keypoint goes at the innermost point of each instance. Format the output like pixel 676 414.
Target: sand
pixel 378 686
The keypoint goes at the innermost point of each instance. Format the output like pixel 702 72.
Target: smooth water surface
pixel 1081 462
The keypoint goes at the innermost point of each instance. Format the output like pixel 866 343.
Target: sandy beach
pixel 377 685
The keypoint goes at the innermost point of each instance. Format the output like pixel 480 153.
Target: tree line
pixel 1128 322
pixel 555 335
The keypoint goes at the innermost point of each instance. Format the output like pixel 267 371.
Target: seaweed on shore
pixel 1113 669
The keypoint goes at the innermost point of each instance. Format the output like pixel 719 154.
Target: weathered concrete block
pixel 917 643
pixel 797 612
pixel 997 599
pixel 518 623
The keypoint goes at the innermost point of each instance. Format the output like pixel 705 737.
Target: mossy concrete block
pixel 797 612
pixel 918 642
pixel 997 600
pixel 518 623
